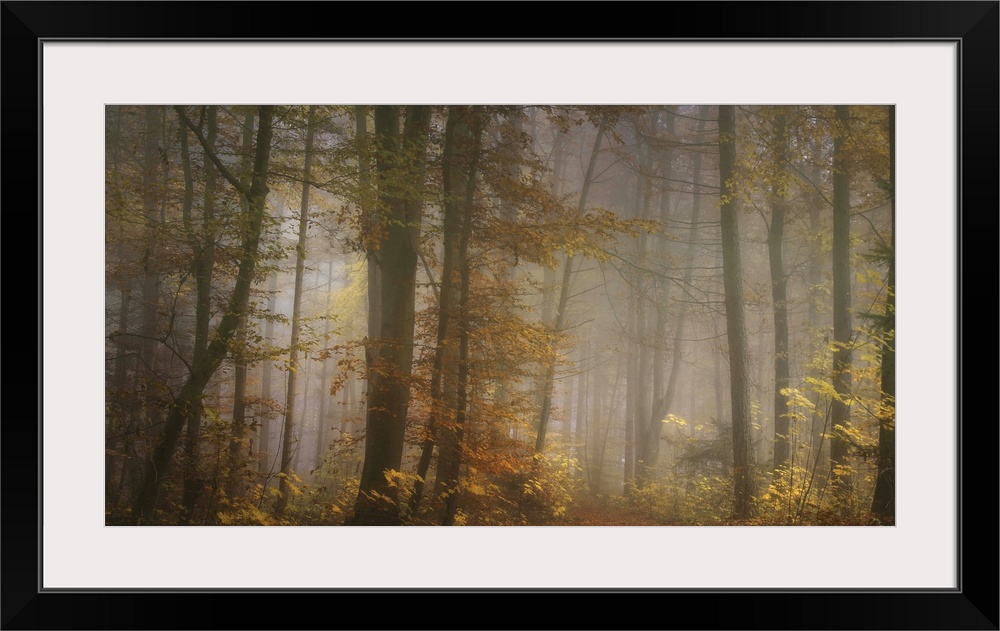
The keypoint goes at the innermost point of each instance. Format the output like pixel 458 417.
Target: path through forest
pixel 602 512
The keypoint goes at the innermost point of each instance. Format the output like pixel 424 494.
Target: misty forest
pixel 499 315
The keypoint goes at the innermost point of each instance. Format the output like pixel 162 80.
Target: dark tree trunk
pixel 151 276
pixel 462 395
pixel 201 372
pixel 815 283
pixel 204 264
pixel 884 500
pixel 840 414
pixel 400 178
pixel 237 463
pixel 455 162
pixel 744 473
pixel 121 417
pixel 779 282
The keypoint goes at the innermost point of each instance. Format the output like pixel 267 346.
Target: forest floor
pixel 601 511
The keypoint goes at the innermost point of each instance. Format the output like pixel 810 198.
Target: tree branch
pixel 210 154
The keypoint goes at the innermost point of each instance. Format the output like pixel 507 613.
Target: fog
pixel 500 315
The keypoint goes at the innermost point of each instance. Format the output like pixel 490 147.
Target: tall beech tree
pixel 456 164
pixel 400 171
pixel 468 178
pixel 840 414
pixel 779 297
pixel 744 470
pixel 203 248
pixel 884 497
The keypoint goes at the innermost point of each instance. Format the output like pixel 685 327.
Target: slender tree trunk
pixel 720 412
pixel 462 399
pixel 548 273
pixel 744 473
pixel 120 420
pixel 204 264
pixel 372 225
pixel 840 414
pixel 322 423
pixel 631 359
pixel 663 397
pixel 151 277
pixel 884 500
pixel 237 463
pixel 779 282
pixel 300 428
pixel 560 317
pixel 201 373
pixel 579 431
pixel 264 456
pixel 595 465
pixel 643 410
pixel 454 161
pixel 288 428
pixel 814 274
pixel 664 403
pixel 401 177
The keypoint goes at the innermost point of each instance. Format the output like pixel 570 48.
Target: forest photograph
pixel 499 315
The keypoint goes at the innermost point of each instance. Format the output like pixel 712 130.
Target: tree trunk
pixel 204 264
pixel 462 398
pixel 201 372
pixel 288 428
pixel 744 474
pixel 884 500
pixel 779 282
pixel 579 431
pixel 372 226
pixel 643 403
pixel 237 463
pixel 560 317
pixel 265 459
pixel 401 177
pixel 631 359
pixel 151 275
pixel 455 161
pixel 120 419
pixel 840 414
pixel 664 403
pixel 300 427
pixel 324 393
pixel 663 396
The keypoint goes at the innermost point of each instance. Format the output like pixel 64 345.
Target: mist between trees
pixel 499 315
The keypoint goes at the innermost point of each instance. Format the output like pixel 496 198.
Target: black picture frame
pixel 973 605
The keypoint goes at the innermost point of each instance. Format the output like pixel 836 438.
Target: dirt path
pixel 600 512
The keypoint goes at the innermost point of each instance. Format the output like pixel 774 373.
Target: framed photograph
pixel 935 62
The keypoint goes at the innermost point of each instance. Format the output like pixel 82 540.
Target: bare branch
pixel 210 154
